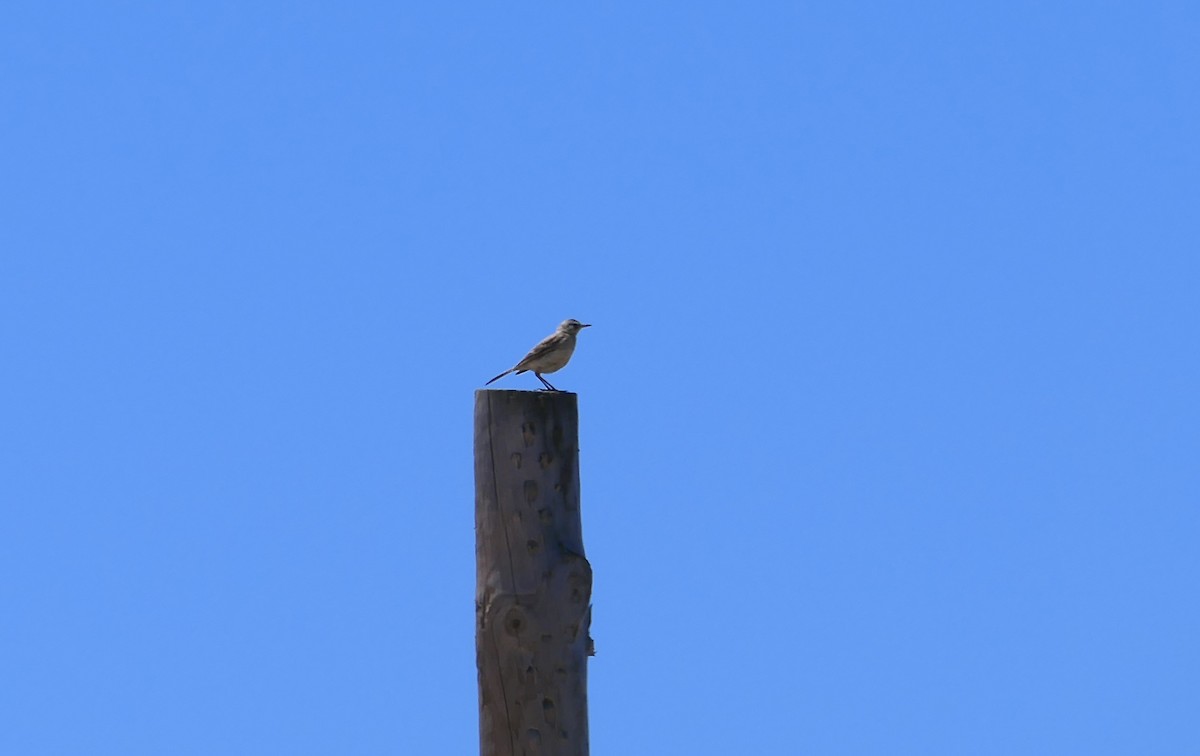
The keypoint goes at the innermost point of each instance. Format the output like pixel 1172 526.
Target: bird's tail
pixel 506 372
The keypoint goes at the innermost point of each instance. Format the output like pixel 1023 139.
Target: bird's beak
pixel 586 325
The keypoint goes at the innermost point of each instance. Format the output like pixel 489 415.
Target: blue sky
pixel 888 415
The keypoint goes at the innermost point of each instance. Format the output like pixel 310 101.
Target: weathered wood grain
pixel 533 583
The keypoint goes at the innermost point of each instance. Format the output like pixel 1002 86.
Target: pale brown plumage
pixel 550 355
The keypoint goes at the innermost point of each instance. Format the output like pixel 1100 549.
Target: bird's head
pixel 572 326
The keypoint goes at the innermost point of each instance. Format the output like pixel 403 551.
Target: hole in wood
pixel 514 623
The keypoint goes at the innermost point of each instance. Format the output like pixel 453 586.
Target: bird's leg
pixel 545 382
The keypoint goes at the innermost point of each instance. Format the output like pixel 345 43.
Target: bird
pixel 550 354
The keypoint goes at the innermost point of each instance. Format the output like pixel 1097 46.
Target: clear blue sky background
pixel 889 414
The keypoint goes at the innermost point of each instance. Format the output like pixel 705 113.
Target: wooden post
pixel 533 586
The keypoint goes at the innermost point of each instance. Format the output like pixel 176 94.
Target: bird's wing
pixel 544 347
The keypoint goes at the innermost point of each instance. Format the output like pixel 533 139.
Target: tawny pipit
pixel 551 353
